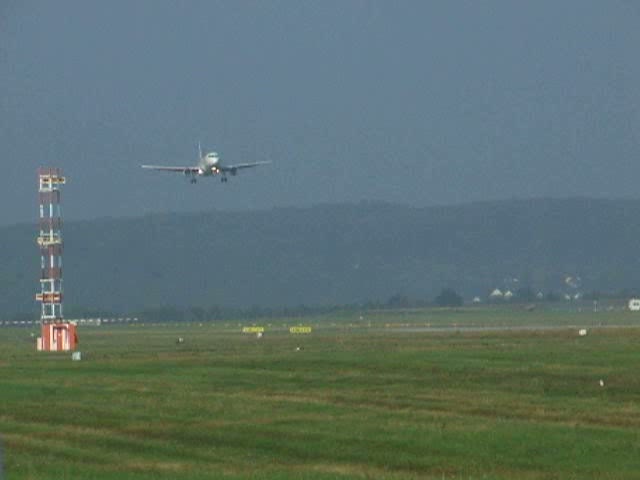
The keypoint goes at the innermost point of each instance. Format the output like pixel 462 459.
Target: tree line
pixel 447 298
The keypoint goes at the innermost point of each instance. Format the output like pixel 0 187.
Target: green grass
pixel 358 400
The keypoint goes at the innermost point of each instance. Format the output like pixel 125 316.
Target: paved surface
pixel 498 328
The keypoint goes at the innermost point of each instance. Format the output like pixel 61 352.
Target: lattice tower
pixel 50 242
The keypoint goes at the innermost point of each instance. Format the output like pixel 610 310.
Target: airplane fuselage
pixel 209 164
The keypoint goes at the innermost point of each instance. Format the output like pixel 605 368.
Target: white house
pixel 634 304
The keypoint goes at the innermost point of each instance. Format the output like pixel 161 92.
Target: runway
pixel 498 328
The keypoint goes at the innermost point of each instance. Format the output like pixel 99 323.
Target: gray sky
pixel 426 102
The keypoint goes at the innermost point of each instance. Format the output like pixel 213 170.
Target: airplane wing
pixel 172 169
pixel 240 166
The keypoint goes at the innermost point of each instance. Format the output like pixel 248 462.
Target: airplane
pixel 208 165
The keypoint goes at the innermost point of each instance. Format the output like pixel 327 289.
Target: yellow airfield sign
pixel 300 329
pixel 252 329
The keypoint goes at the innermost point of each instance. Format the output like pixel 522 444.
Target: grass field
pixel 355 399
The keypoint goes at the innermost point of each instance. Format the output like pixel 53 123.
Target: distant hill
pixel 331 254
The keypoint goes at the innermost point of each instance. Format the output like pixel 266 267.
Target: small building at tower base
pixel 57 337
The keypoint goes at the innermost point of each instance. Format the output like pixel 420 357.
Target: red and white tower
pixel 56 335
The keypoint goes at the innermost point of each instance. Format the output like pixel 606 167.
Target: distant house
pixel 634 304
pixel 496 294
pixel 508 295
pixel 476 300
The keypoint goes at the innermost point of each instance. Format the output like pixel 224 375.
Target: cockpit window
pixel 212 155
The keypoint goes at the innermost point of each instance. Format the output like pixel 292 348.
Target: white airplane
pixel 208 165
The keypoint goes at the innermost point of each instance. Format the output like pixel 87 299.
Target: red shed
pixel 58 337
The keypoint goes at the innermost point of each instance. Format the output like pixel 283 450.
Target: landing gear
pixel 191 176
pixel 224 179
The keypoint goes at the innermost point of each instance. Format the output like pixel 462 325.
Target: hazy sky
pixel 426 102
